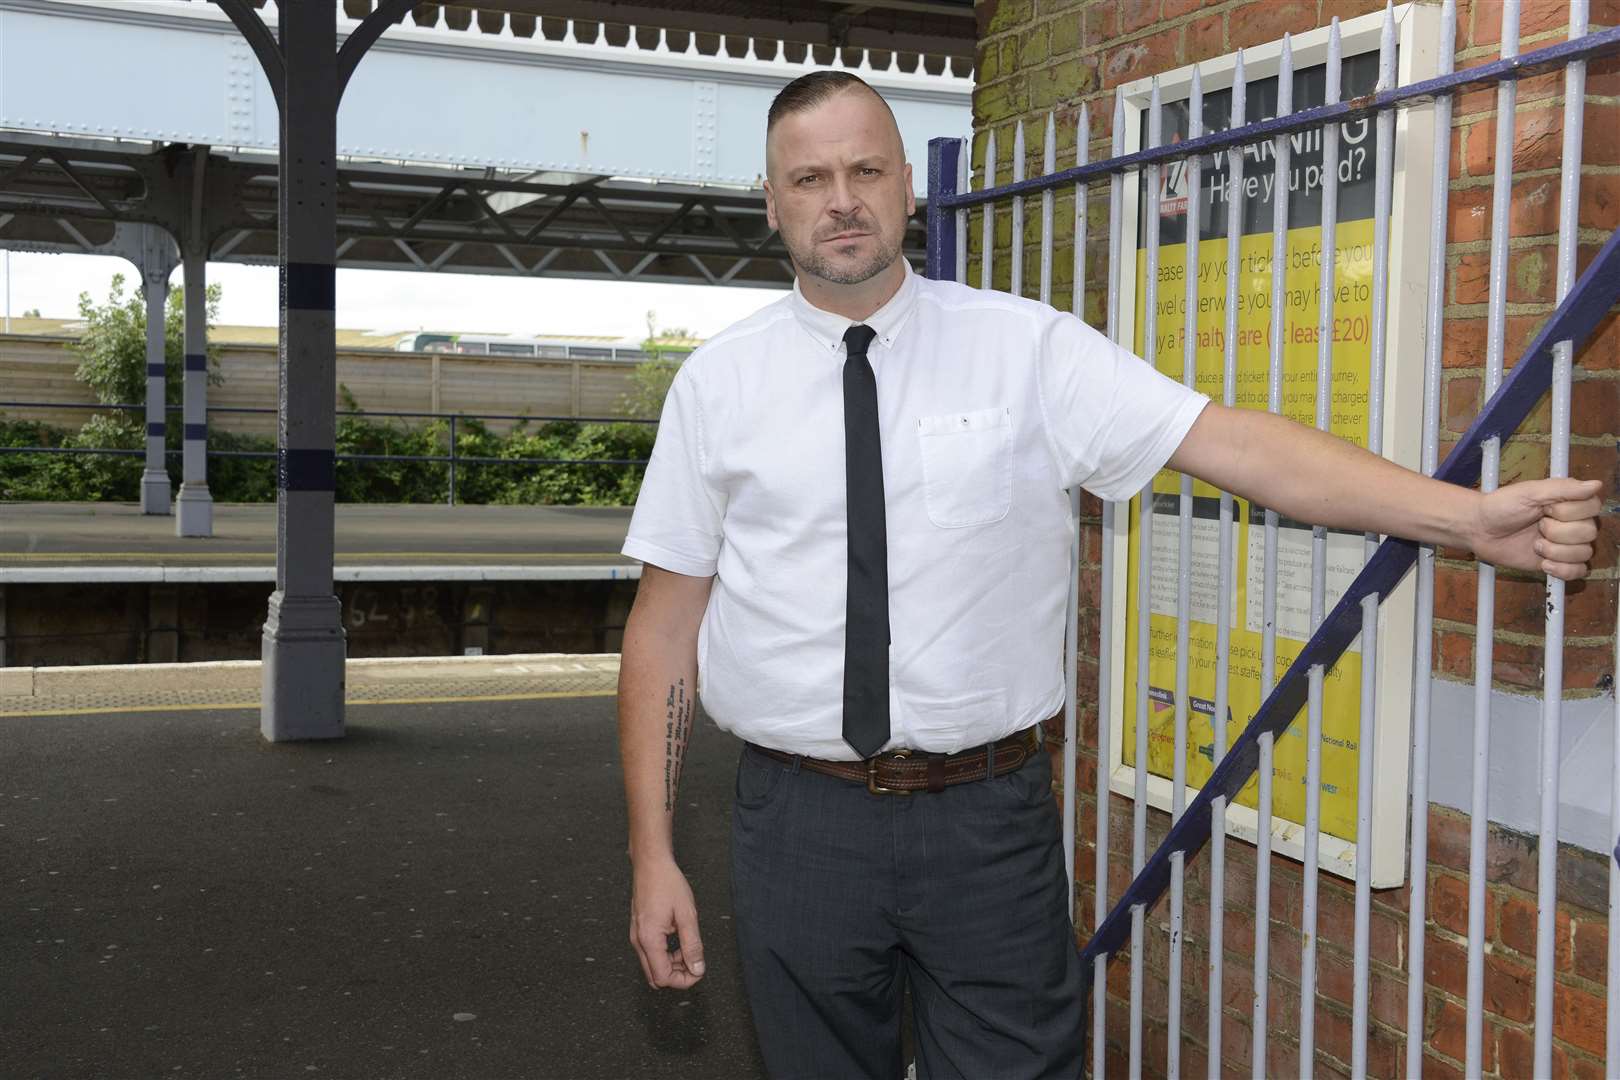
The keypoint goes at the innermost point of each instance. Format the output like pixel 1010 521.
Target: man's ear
pixel 911 194
pixel 770 206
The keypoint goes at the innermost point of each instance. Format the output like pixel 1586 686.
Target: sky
pixel 389 300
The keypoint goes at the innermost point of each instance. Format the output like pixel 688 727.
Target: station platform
pixel 442 893
pixel 47 543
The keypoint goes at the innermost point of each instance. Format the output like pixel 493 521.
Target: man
pixel 855 539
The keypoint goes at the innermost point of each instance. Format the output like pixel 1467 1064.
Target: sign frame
pixel 1411 218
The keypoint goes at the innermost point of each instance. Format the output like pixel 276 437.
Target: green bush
pixel 99 478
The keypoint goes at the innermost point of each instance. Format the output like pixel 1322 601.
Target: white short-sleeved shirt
pixel 989 406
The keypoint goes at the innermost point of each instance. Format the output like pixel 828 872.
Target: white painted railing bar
pixel 1280 150
pixel 1423 635
pixel 1313 712
pixel 1485 596
pixel 1552 688
pixel 989 211
pixel 1223 602
pixel 1017 287
pixel 1071 655
pixel 1144 591
pixel 1367 722
pixel 1178 768
pixel 1071 608
pixel 1611 1043
pixel 1105 654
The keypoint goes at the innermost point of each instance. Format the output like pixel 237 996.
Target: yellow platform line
pixel 218 705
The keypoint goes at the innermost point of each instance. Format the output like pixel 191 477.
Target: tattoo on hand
pixel 677 730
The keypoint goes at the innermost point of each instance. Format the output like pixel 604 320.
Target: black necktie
pixel 866 626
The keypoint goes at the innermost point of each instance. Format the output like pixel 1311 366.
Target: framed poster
pixel 1411 220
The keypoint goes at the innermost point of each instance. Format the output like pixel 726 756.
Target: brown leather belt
pixel 901 772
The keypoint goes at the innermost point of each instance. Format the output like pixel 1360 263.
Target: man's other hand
pixel 663 926
pixel 1541 526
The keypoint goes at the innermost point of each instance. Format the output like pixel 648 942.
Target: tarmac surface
pixel 442 893
pixel 118 534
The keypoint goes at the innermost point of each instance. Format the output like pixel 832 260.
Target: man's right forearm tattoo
pixel 677 729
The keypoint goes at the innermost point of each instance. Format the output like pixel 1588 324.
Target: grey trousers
pixel 841 897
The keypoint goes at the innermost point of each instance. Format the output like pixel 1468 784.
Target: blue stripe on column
pixel 196 362
pixel 155 430
pixel 311 286
pixel 1587 303
pixel 306 470
pixel 197 431
pixel 156 371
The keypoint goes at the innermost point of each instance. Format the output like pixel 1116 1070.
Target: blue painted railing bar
pixel 1600 43
pixel 1575 319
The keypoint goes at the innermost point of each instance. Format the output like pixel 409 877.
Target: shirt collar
pixel 827 328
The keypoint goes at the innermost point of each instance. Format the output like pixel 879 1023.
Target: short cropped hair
pixel 808 91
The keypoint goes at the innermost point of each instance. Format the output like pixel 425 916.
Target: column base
pixel 155 492
pixel 303 652
pixel 194 511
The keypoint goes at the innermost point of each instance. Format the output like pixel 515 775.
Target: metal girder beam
pixel 424 218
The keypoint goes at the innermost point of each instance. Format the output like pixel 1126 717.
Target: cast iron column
pixel 156 263
pixel 194 507
pixel 303 634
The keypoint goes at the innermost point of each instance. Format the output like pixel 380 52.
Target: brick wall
pixel 1040 56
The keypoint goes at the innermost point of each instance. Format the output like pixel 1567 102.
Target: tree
pixel 664 349
pixel 112 349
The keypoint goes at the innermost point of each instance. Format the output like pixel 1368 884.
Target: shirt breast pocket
pixel 967 466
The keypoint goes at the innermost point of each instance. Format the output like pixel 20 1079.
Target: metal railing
pixel 451 459
pixel 1546 363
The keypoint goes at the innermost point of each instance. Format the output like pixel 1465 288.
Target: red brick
pixel 1535 17
pixel 1206 38
pixel 1462 401
pixel 1468 213
pixel 1600 142
pixel 1579 1018
pixel 1456 592
pixel 1589 608
pixel 1101 25
pixel 1515 1048
pixel 1445 966
pixel 1175 9
pixel 1387 999
pixel 1255 24
pixel 1509 988
pixel 1535 88
pixel 1335 976
pixel 1534 207
pixel 1590 948
pixel 1439 1068
pixel 1448 833
pixel 1538 141
pixel 1471 278
pixel 1137 15
pixel 1533 273
pixel 1150 55
pixel 1521 604
pixel 1594 407
pixel 1448 903
pixel 1600 201
pixel 1448 1033
pixel 1465 340
pixel 1458 157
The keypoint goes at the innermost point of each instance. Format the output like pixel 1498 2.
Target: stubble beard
pixel 811 261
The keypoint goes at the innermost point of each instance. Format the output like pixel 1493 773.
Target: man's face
pixel 838 188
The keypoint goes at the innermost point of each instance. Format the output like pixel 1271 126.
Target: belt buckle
pixel 871 774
